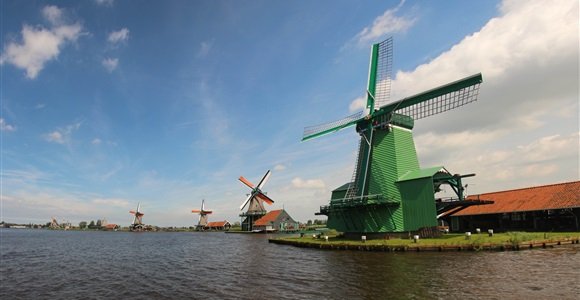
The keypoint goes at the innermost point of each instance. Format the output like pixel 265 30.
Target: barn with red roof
pixel 218 225
pixel 276 220
pixel 554 207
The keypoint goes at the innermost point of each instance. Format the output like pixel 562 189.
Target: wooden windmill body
pixel 389 191
pixel 137 223
pixel 203 219
pixel 255 202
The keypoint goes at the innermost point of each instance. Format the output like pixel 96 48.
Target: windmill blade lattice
pixel 384 73
pixel 322 129
pixel 440 99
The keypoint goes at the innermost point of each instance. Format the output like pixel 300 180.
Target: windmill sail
pixel 246 182
pixel 382 73
pixel 264 179
pixel 250 196
pixel 437 100
pixel 384 194
pixel 322 129
pixel 256 196
pixel 378 92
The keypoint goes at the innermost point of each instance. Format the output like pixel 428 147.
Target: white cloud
pixel 308 184
pixel 549 148
pixel 14 177
pixel 528 57
pixel 510 51
pixel 40 45
pixel 110 173
pixel 500 166
pixel 110 63
pixel 119 36
pixel 55 137
pixel 279 167
pixel 387 23
pixel 96 141
pixel 62 135
pixel 53 14
pixel 204 49
pixel 456 140
pixel 539 170
pixel 111 202
pixel 358 104
pixel 5 126
pixel 105 2
pixel 517 134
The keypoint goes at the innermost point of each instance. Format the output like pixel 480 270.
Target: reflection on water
pixel 40 264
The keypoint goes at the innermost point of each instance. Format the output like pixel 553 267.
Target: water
pixel 43 264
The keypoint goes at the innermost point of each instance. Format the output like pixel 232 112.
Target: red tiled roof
pixel 217 224
pixel 554 196
pixel 268 218
pixel 110 226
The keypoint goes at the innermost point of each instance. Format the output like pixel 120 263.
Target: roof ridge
pixel 531 187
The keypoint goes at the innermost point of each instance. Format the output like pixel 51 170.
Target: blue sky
pixel 105 104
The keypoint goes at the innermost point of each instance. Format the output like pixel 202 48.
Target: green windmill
pixel 389 192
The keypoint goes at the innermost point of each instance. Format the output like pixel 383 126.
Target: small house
pixel 218 226
pixel 110 227
pixel 276 221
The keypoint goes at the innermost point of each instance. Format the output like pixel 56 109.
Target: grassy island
pixel 447 242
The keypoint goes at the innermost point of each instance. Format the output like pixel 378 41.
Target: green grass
pixel 513 238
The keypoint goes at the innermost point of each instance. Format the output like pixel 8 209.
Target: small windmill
pixel 202 224
pixel 255 202
pixel 137 224
pixel 388 191
pixel 54 223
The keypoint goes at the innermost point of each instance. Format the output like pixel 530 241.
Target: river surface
pixel 45 264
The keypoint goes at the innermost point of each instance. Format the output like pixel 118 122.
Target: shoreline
pixel 428 245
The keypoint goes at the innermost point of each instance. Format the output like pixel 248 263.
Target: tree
pixel 309 223
pixel 83 225
pixel 319 222
pixel 92 225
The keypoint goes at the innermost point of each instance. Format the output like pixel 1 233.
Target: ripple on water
pixel 41 264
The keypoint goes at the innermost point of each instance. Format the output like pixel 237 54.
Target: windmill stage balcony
pixel 253 213
pixel 359 201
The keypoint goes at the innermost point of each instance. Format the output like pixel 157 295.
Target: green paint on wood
pixel 419 204
pixel 394 194
pixel 372 78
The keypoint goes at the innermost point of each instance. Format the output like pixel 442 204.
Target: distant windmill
pixel 202 224
pixel 388 191
pixel 137 224
pixel 54 223
pixel 254 202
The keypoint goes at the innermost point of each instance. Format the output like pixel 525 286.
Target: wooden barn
pixel 276 221
pixel 554 207
pixel 218 226
pixel 110 227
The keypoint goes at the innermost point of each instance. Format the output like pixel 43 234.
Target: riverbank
pixel 448 242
